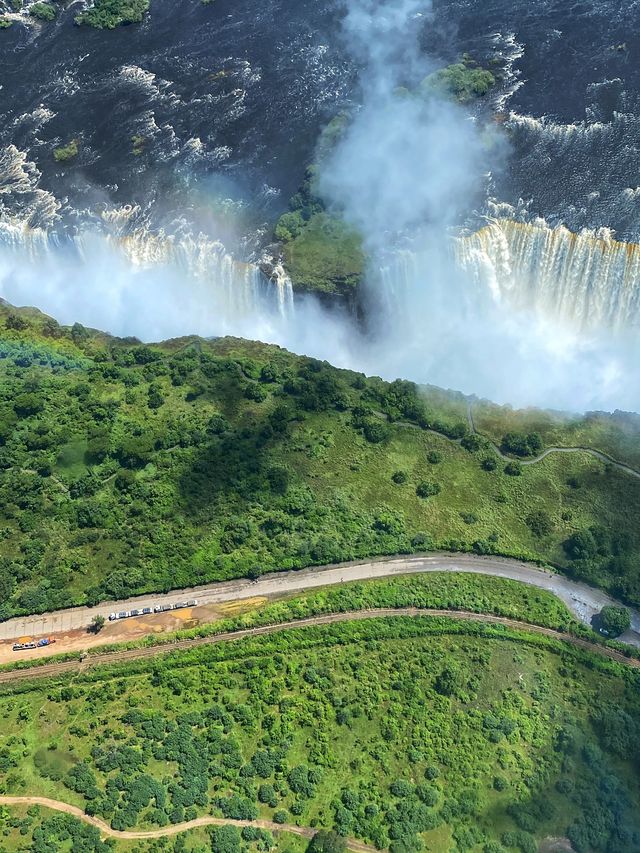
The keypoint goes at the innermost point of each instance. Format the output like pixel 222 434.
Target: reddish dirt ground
pixel 126 630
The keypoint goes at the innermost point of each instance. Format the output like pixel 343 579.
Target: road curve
pixel 51 670
pixel 174 829
pixel 582 600
pixel 598 454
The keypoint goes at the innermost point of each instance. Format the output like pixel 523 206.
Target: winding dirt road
pixel 48 670
pixel 582 600
pixel 174 829
pixel 598 454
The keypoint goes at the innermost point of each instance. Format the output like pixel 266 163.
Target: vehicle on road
pixel 32 644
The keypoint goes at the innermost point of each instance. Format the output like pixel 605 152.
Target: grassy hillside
pixel 126 468
pixel 397 732
pixel 616 434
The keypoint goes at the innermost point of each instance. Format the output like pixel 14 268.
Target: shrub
pixel 471 442
pixel 43 12
pixel 327 841
pixel 375 431
pixel 580 546
pixel 108 14
pixel 399 477
pixel 539 523
pixel 427 489
pixel 522 444
pixel 513 469
pixel 434 458
pixel 68 151
pixel 226 839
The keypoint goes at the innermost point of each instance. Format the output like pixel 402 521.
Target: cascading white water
pixel 588 279
pixel 136 273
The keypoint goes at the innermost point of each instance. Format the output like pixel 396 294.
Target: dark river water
pixel 229 99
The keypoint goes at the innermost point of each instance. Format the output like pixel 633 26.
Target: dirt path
pixel 598 454
pixel 582 600
pixel 174 829
pixel 60 668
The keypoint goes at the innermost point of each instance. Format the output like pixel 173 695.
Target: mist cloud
pixel 406 171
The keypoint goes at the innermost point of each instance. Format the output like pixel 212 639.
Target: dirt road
pixel 597 454
pixel 582 600
pixel 48 670
pixel 174 829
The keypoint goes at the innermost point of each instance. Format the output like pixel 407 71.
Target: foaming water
pixel 467 327
pixel 129 280
pixel 588 279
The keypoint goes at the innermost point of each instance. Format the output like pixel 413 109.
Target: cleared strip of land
pixel 582 600
pixel 174 829
pixel 125 655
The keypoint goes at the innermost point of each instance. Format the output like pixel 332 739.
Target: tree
pixel 580 546
pixel 449 681
pixel 327 841
pixel 226 839
pixel 471 442
pixel 513 469
pixel 254 573
pixel 427 490
pixel 375 431
pixel 522 444
pixel 97 623
pixel 614 620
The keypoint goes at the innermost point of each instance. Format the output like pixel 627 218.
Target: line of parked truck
pixel 121 614
pixel 33 644
pixel 157 608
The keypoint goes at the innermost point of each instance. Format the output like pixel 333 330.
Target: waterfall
pixel 116 270
pixel 588 278
pixel 284 289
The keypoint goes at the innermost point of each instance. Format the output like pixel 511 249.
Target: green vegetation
pixel 127 468
pixel 321 253
pixel 138 143
pixel 325 255
pixel 432 590
pixel 617 435
pixel 47 12
pixel 614 620
pixel 399 732
pixel 68 151
pixel 522 444
pixel 461 80
pixel 97 623
pixel 5 22
pixel 109 14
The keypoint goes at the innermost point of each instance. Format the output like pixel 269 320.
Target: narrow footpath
pixel 174 829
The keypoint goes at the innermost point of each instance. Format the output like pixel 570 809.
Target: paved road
pixel 174 829
pixel 582 600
